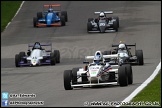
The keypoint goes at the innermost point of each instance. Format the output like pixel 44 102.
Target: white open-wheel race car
pixel 37 56
pixel 98 74
pixel 125 54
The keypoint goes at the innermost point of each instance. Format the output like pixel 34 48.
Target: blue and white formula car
pixel 51 16
pixel 37 56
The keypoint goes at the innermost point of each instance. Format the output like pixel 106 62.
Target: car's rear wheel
pixel 64 13
pixel 53 59
pixel 115 26
pixel 17 60
pixel 35 22
pixel 139 54
pixel 67 79
pixel 39 15
pixel 57 55
pixel 90 19
pixel 117 19
pixel 62 18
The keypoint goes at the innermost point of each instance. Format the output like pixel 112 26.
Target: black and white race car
pixel 102 23
pixel 125 55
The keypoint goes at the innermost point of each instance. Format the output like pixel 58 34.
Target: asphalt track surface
pixel 140 23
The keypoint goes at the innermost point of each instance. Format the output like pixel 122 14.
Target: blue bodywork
pixel 49 18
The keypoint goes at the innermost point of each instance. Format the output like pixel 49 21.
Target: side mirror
pixel 85 62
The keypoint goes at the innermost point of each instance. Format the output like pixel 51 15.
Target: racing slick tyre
pixel 53 59
pixel 115 26
pixel 90 19
pixel 17 59
pixel 129 73
pixel 21 55
pixel 122 76
pixel 35 22
pixel 39 15
pixel 64 13
pixel 139 54
pixel 89 26
pixel 117 19
pixel 57 55
pixel 62 19
pixel 67 80
pixel 107 53
pixel 74 75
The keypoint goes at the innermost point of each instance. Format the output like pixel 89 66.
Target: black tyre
pixel 117 19
pixel 53 59
pixel 139 54
pixel 57 13
pixel 62 18
pixel 64 13
pixel 129 73
pixel 115 26
pixel 22 54
pixel 39 15
pixel 74 75
pixel 35 22
pixel 17 60
pixel 122 76
pixel 89 26
pixel 107 53
pixel 84 78
pixel 57 55
pixel 67 79
pixel 90 19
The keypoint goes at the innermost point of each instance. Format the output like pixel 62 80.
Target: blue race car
pixel 37 56
pixel 51 16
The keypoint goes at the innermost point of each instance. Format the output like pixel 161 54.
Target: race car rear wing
pixel 31 45
pixel 47 44
pixel 51 5
pixel 106 12
pixel 131 45
pixel 54 6
pixel 104 56
pixel 125 44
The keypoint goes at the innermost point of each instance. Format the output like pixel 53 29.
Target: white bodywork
pixel 106 12
pixel 36 55
pixel 95 72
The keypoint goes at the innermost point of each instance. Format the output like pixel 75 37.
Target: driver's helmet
pixel 97 58
pixel 102 15
pixel 37 46
pixel 50 10
pixel 122 47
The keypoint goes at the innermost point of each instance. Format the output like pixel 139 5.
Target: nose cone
pixel 34 62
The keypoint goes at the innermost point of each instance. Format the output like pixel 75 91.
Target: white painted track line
pixel 15 14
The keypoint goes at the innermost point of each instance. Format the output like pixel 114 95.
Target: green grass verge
pixel 150 95
pixel 8 10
